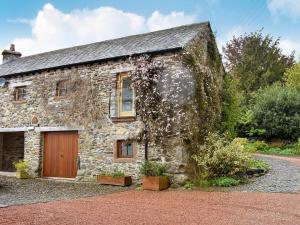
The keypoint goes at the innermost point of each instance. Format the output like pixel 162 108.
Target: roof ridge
pixel 115 39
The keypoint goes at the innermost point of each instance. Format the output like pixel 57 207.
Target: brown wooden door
pixel 60 154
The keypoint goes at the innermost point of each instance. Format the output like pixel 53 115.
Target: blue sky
pixel 36 26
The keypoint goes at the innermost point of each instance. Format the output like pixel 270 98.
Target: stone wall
pixel 96 138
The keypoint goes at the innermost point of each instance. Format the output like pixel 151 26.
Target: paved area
pixel 15 191
pixel 284 177
pixel 167 207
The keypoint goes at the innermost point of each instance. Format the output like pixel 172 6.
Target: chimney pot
pixel 11 54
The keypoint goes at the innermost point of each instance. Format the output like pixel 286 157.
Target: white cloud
pixel 288 46
pixel 285 7
pixel 158 21
pixel 234 32
pixel 54 29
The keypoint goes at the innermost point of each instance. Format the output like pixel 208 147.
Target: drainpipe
pixel 146 141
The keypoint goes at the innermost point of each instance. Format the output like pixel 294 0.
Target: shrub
pixel 218 157
pixel 256 146
pixel 277 111
pixel 150 168
pixel 118 174
pixel 21 166
pixel 224 182
pixel 259 164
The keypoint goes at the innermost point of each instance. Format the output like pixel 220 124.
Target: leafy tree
pixel 292 77
pixel 277 111
pixel 256 61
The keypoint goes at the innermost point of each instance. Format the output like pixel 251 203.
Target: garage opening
pixel 11 150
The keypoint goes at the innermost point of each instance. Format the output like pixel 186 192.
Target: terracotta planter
pixel 22 175
pixel 118 181
pixel 156 183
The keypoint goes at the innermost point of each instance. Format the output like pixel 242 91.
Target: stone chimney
pixel 11 54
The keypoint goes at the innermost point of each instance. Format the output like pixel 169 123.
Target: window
pixel 62 88
pixel 20 93
pixel 125 96
pixel 124 149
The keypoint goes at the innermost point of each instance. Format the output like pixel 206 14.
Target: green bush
pixel 218 158
pixel 21 166
pixel 255 146
pixel 259 164
pixel 150 168
pixel 118 174
pixel 224 182
pixel 277 111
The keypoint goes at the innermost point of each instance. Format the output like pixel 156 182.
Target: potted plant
pixel 116 178
pixel 154 176
pixel 21 167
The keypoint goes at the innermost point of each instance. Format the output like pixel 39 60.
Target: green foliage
pixel 21 166
pixel 292 77
pixel 277 111
pixel 259 164
pixel 150 168
pixel 218 157
pixel 255 146
pixel 218 182
pixel 225 182
pixel 231 106
pixel 256 61
pixel 118 174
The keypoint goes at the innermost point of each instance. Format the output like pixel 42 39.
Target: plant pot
pixel 118 181
pixel 22 175
pixel 156 183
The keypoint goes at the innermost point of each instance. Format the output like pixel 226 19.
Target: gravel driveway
pixel 162 208
pixel 15 191
pixel 284 177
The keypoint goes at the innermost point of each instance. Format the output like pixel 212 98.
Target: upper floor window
pixel 62 88
pixel 125 96
pixel 20 93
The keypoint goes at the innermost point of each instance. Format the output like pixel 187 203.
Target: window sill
pixel 19 102
pixel 124 160
pixel 123 119
pixel 60 97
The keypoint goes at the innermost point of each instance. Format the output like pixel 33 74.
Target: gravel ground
pixel 166 207
pixel 15 191
pixel 284 177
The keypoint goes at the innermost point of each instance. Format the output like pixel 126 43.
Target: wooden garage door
pixel 60 154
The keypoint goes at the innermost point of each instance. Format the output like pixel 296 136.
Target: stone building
pixel 34 99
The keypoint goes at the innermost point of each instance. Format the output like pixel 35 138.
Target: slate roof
pixel 158 41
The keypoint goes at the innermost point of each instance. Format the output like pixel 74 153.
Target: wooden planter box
pixel 22 175
pixel 118 181
pixel 156 183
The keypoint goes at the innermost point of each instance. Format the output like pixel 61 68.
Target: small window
pixel 124 149
pixel 125 96
pixel 20 93
pixel 62 88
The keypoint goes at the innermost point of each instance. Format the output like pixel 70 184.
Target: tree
pixel 292 77
pixel 277 112
pixel 256 61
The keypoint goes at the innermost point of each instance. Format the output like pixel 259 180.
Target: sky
pixel 36 26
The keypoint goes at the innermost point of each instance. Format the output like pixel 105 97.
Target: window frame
pixel 17 96
pixel 117 150
pixel 120 78
pixel 58 88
